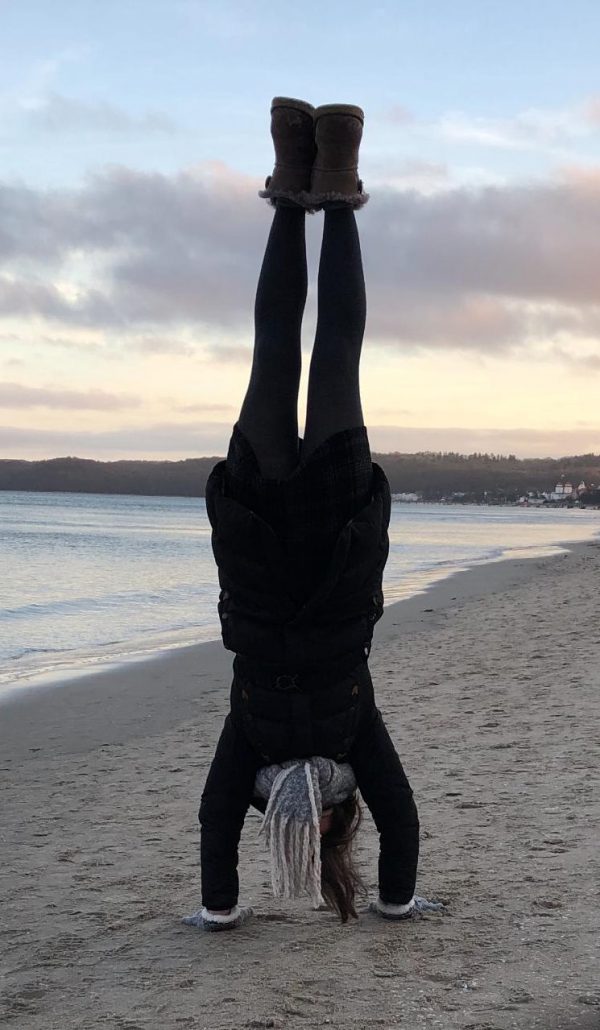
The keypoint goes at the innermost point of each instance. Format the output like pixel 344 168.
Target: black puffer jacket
pixel 259 618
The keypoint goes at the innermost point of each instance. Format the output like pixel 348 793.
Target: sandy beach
pixel 489 683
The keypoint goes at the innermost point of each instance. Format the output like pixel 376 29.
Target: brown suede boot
pixel 292 129
pixel 335 181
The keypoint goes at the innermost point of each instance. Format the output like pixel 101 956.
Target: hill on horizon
pixel 434 474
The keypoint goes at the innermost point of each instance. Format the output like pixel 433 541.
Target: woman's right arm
pixel 226 797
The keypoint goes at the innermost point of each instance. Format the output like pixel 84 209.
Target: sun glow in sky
pixel 133 140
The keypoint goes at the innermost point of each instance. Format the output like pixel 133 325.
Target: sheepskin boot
pixel 292 129
pixel 335 181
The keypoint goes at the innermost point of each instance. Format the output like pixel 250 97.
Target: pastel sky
pixel 135 135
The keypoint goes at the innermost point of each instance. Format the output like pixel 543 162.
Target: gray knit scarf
pixel 297 792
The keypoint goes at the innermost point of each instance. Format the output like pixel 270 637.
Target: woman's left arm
pixel 387 792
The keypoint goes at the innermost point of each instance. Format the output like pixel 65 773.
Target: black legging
pixel 269 414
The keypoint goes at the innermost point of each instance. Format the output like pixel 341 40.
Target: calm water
pixel 87 577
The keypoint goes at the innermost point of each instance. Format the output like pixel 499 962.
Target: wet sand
pixel 489 683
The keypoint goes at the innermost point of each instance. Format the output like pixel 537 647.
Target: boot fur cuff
pixel 353 200
pixel 301 199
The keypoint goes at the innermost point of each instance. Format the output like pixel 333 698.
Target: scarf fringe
pixel 294 847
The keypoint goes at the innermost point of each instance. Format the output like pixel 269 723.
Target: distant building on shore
pixel 410 498
pixel 532 500
pixel 564 493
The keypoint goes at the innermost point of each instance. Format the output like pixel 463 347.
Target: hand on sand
pixel 203 920
pixel 419 907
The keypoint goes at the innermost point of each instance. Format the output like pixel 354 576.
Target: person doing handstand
pixel 300 537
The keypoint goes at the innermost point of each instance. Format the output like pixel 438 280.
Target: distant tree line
pixel 82 475
pixel 490 478
pixel 483 477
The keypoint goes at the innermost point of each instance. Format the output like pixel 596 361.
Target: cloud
pixel 169 440
pixel 201 408
pixel 490 268
pixel 388 412
pixel 146 344
pixel 229 353
pixel 173 441
pixel 583 178
pixel 229 20
pixel 14 395
pixel 63 342
pixel 583 363
pixel 526 131
pixel 31 297
pixel 398 114
pixel 523 442
pixel 174 250
pixel 158 256
pixel 591 111
pixel 38 78
pixel 163 345
pixel 535 128
pixel 534 242
pixel 532 135
pixel 407 174
pixel 59 114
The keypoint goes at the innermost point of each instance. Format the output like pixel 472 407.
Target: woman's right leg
pixel 269 414
pixel 337 472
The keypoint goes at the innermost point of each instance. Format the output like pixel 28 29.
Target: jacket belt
pixel 298 681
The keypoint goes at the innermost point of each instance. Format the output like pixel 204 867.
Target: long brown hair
pixel 340 881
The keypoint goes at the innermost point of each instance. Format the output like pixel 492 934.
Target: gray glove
pixel 203 920
pixel 415 909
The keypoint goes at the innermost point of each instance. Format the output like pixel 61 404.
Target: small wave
pixel 48 666
pixel 27 652
pixel 89 605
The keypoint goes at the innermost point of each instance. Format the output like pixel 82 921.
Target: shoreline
pixel 134 652
pixel 47 700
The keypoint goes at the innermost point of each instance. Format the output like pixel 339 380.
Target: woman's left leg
pixel 269 415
